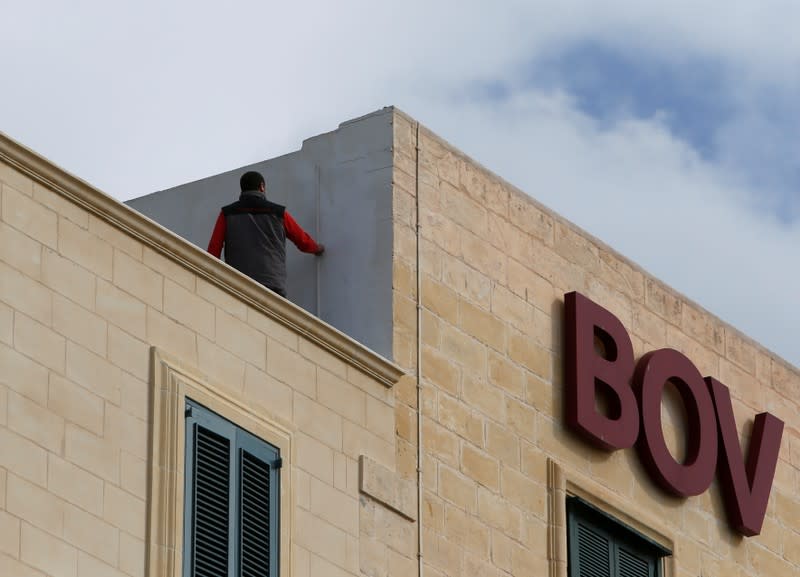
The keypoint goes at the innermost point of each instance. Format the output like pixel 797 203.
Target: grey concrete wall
pixel 338 187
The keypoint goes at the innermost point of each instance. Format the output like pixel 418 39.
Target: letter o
pixel 694 475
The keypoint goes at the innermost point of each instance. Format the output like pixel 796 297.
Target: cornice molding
pixel 199 262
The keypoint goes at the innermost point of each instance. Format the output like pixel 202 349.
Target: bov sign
pixel 633 416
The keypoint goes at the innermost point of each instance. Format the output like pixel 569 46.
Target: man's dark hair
pixel 251 180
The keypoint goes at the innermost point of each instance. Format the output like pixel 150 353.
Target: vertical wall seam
pixel 419 354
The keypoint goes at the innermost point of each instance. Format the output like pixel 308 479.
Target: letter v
pixel 745 489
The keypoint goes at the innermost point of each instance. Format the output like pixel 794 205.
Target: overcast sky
pixel 667 129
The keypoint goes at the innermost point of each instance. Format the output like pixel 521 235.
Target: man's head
pixel 252 180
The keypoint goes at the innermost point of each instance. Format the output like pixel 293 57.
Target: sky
pixel 668 130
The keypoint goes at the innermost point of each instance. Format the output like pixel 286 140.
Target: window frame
pixel 173 380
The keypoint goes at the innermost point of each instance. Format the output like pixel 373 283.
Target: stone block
pixel 291 368
pixel 525 214
pixel 35 422
pixel 189 309
pixel 622 276
pixel 314 457
pixel 132 555
pixel 126 431
pixel 20 251
pixel 133 277
pixel 170 336
pixel 9 535
pixel 506 375
pixel 92 453
pixel 520 418
pixel 503 444
pixel 6 324
pixel 484 397
pixel 342 397
pixel 483 256
pixel 523 492
pixel 35 505
pixel 241 339
pixel 528 353
pixel 75 485
pixel 168 268
pixel 23 375
pixel 380 419
pixel 467 532
pixel 121 309
pixel 467 282
pixel 268 392
pixel 92 372
pixel 84 248
pixel 222 299
pixel 23 457
pixel 480 466
pixel 79 325
pixel 133 474
pixel 465 350
pixel 440 300
pixel 663 301
pixel 318 421
pixel 38 342
pixel 495 511
pixel 461 419
pixel 64 207
pixel 440 443
pixel 221 367
pixel 439 370
pixel 387 487
pixel 30 217
pixel 482 325
pixel 357 441
pixel 116 237
pixel 649 327
pixel 705 359
pixel 47 553
pixel 458 489
pixel 91 535
pixel 321 538
pixel 10 178
pixel 88 566
pixel 129 353
pixel 25 295
pixel 125 511
pixel 703 327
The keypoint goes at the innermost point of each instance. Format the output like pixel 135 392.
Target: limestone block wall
pixel 101 312
pixel 498 461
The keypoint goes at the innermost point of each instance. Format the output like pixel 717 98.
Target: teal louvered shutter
pixel 632 563
pixel 209 494
pixel 600 546
pixel 258 529
pixel 231 499
pixel 591 552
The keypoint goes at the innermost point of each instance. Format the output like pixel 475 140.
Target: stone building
pixel 163 415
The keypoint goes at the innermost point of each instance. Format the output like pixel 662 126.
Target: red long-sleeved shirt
pixel 294 232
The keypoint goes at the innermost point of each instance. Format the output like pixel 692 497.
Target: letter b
pixel 587 370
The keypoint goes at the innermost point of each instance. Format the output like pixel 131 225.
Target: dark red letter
pixel 694 475
pixel 585 369
pixel 746 492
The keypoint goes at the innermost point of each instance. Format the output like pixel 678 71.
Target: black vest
pixel 255 239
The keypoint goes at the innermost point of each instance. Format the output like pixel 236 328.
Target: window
pixel 600 546
pixel 231 495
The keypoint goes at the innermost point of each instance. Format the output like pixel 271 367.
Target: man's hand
pixel 320 249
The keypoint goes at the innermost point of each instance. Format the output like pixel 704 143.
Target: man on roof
pixel 254 230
